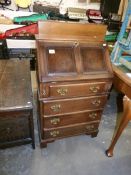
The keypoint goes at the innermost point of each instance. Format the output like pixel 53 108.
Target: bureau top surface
pixel 71 30
pixel 15 85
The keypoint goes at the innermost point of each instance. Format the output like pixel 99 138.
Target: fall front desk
pixel 74 79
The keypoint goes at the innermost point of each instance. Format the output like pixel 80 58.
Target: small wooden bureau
pixel 16 108
pixel 74 78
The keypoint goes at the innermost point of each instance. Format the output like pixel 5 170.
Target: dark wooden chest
pixel 16 108
pixel 74 79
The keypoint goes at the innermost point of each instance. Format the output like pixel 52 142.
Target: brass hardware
pixel 90 127
pixel 93 115
pixel 56 107
pixel 44 92
pixel 54 133
pixel 55 121
pixel 76 44
pixel 96 102
pixel 94 89
pixel 62 91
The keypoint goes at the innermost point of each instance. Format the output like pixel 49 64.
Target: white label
pixel 51 51
pixel 104 44
pixel 129 75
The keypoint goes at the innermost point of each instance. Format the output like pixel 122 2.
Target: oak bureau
pixel 74 79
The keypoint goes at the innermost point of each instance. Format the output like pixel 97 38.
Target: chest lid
pixel 15 85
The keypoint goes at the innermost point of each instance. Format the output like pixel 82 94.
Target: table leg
pixel 123 123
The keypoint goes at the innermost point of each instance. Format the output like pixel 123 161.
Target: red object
pixel 2 35
pixel 94 14
pixel 31 29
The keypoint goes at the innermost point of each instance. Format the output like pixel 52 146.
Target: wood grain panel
pixel 70 131
pixel 71 119
pixel 57 90
pixel 73 105
pixel 63 29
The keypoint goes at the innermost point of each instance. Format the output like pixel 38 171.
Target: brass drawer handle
pixel 93 115
pixel 94 89
pixel 55 121
pixel 62 91
pixel 96 102
pixel 56 107
pixel 90 127
pixel 54 133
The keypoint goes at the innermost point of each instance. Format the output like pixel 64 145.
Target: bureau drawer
pixel 73 105
pixel 78 89
pixel 70 131
pixel 70 119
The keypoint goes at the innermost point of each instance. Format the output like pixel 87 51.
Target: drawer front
pixel 80 89
pixel 73 105
pixel 70 119
pixel 70 131
pixel 14 128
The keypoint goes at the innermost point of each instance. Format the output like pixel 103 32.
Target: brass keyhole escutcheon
pixel 44 92
pixel 76 44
